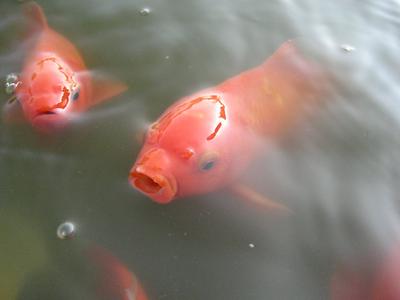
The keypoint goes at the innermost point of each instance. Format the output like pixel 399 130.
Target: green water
pixel 339 172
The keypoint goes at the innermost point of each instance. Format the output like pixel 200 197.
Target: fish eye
pixel 207 165
pixel 75 95
pixel 208 161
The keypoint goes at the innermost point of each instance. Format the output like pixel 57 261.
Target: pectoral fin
pixel 247 193
pixel 12 111
pixel 140 136
pixel 103 88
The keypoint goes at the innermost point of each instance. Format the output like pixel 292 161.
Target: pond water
pixel 338 172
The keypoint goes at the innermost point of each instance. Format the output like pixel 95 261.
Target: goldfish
pixel 113 278
pixel 97 274
pixel 350 283
pixel 54 84
pixel 205 141
pixel 377 282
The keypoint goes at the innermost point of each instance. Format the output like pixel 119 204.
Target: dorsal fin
pixel 35 17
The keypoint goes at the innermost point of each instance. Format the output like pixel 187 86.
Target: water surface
pixel 339 171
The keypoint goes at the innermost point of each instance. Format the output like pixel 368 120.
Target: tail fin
pixel 35 17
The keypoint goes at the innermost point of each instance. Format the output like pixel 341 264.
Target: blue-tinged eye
pixel 208 161
pixel 75 95
pixel 207 165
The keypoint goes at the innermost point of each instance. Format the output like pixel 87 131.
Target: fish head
pixel 47 92
pixel 187 151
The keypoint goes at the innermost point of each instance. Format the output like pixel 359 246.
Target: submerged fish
pixel 113 279
pixel 54 83
pixel 205 141
pixel 96 275
pixel 379 282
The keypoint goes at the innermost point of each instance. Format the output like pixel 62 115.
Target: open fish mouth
pixel 49 121
pixel 48 116
pixel 49 112
pixel 155 185
pixel 43 114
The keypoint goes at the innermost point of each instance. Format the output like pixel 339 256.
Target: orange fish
pixel 54 83
pixel 96 274
pixel 113 279
pixel 205 141
pixel 349 283
pixel 379 282
pixel 386 286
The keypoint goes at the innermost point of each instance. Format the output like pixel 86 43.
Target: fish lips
pixel 49 121
pixel 154 183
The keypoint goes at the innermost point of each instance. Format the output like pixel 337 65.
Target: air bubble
pixel 145 11
pixel 66 230
pixel 10 88
pixel 347 48
pixel 12 78
pixel 11 84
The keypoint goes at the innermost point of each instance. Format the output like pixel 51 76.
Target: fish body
pixel 113 279
pixel 54 83
pixel 205 141
pixel 374 281
pixel 386 285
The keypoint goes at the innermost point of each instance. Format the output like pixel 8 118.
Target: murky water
pixel 338 172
